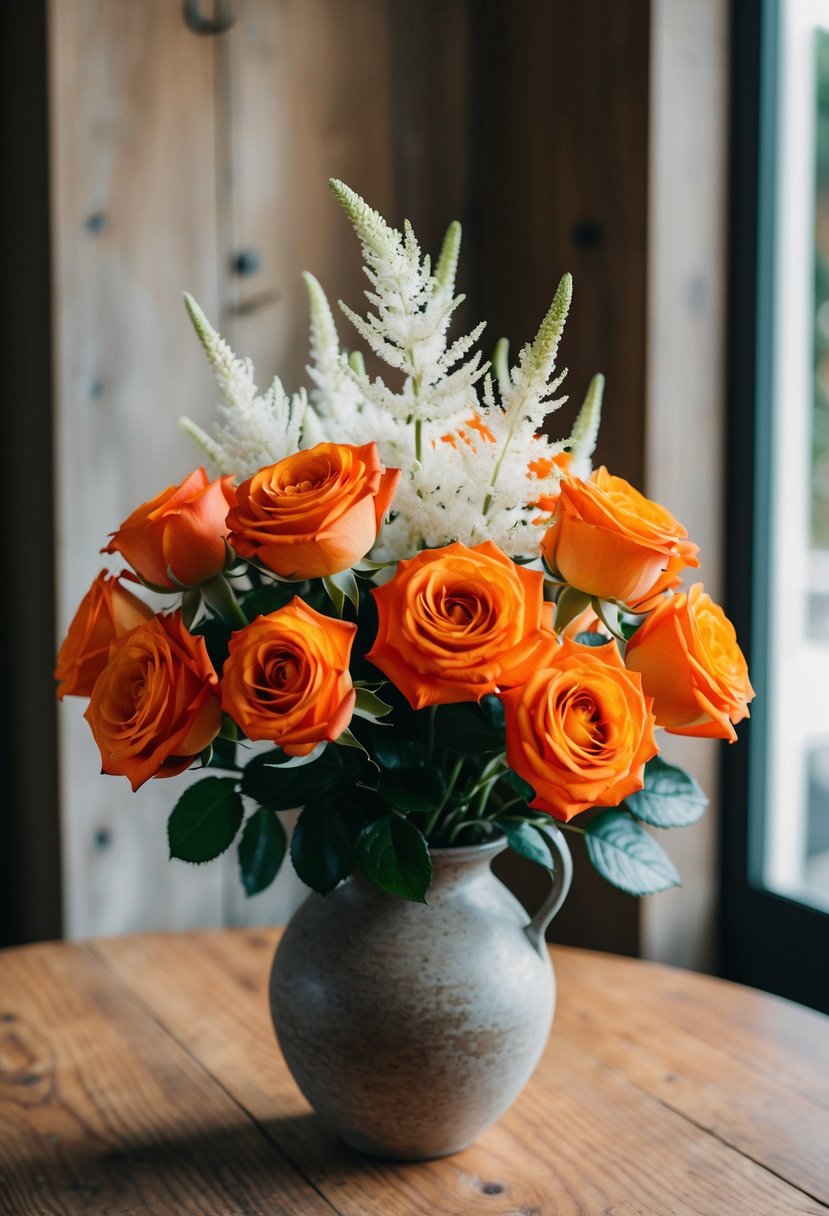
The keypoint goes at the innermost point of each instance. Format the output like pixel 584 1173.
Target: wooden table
pixel 141 1075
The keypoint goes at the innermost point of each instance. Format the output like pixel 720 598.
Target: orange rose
pixel 314 513
pixel 105 612
pixel 608 540
pixel 457 623
pixel 580 731
pixel 155 706
pixel 691 665
pixel 287 679
pixel 178 537
pixel 670 578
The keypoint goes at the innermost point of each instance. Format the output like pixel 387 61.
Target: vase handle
pixel 562 877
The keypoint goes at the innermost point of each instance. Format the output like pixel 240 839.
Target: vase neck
pixel 465 863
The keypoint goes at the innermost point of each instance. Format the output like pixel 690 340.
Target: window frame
pixel 767 940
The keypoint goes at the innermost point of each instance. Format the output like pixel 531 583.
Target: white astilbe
pixel 582 441
pixel 408 329
pixel 474 467
pixel 338 410
pixel 254 429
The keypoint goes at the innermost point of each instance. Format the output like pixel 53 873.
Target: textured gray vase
pixel 410 1027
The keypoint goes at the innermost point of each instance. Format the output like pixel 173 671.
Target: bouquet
pixel 405 609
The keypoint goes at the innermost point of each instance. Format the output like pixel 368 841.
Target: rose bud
pixel 178 538
pixel 608 540
pixel 687 654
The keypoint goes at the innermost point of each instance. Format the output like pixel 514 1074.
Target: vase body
pixel 410 1027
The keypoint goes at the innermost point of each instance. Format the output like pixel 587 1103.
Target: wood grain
pixel 101 1111
pixel 133 216
pixel 562 98
pixel 297 116
pixel 686 406
pixel 593 1132
pixel 700 1049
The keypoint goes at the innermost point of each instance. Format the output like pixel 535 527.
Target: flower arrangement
pixel 406 610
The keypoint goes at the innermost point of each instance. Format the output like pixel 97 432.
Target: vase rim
pixel 468 852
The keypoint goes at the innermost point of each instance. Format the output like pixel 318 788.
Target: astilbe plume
pixel 475 461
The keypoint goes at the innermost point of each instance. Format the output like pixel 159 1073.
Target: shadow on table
pixel 239 1167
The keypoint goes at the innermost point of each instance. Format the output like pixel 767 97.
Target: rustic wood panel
pixel 562 96
pixel 686 408
pixel 100 1108
pixel 585 1136
pixel 308 91
pixel 308 97
pixel 134 221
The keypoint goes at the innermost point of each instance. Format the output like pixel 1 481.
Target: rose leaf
pixel 469 730
pixel 412 789
pixel 671 797
pixel 627 856
pixel 394 855
pixel 282 788
pixel 261 850
pixel 205 820
pixel 527 841
pixel 324 843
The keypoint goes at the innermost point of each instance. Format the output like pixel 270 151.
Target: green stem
pixel 458 828
pixel 218 595
pixel 450 785
pixel 505 806
pixel 430 733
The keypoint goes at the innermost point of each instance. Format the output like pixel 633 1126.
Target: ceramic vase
pixel 410 1027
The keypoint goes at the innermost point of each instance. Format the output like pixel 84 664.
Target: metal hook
pixel 222 19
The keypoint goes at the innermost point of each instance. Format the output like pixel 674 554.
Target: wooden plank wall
pixel 686 406
pixel 174 153
pixel 134 222
pixel 565 179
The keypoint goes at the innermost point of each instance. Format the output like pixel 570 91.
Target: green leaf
pixel 335 595
pixel 190 607
pixel 270 597
pixel 394 855
pixel 224 754
pixel 671 797
pixel 205 819
pixel 608 613
pixel 346 588
pixel 571 603
pixel 324 843
pixel 368 705
pixel 469 729
pixel 261 850
pixel 520 786
pixel 528 842
pixel 627 856
pixel 412 789
pixel 273 785
pixel 347 739
pixel 391 751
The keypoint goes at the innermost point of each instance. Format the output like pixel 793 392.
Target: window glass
pixel 793 831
